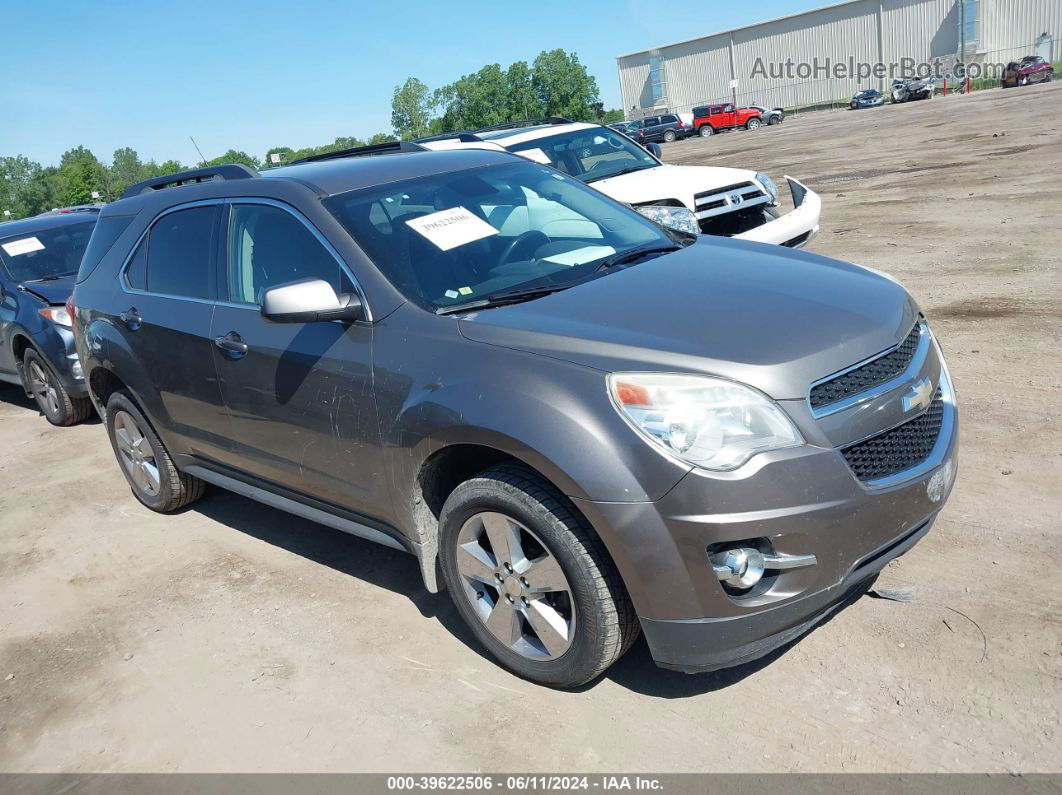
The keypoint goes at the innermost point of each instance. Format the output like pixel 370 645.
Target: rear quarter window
pixel 107 231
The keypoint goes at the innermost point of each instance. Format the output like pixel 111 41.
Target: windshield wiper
pixel 53 277
pixel 632 254
pixel 501 299
pixel 620 173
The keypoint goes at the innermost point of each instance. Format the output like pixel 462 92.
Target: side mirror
pixel 654 150
pixel 309 301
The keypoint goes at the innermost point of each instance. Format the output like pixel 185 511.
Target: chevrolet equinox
pixel 582 424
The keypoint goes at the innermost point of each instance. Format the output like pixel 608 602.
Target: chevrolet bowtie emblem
pixel 919 396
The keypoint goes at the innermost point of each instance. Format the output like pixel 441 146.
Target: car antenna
pixel 202 160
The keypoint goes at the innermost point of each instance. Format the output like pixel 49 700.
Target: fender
pixel 102 345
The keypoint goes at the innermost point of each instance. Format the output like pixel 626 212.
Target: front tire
pixel 532 580
pixel 144 460
pixel 52 398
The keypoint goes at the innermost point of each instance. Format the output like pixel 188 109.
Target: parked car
pixel 768 115
pixel 709 199
pixel 867 98
pixel 656 129
pixel 38 260
pixel 1030 69
pixel 620 126
pixel 908 89
pixel 589 424
pixel 710 119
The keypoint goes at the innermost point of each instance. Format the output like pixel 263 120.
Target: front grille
pixel 705 196
pixel 899 449
pixel 869 375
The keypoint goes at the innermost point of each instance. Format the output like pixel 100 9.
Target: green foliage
pixel 235 156
pixel 563 86
pixel 411 108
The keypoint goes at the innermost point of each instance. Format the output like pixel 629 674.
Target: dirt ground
pixel 233 637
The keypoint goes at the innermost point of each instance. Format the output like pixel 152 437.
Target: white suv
pixel 717 201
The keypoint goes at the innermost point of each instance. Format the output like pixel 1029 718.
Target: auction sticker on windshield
pixel 23 246
pixel 452 228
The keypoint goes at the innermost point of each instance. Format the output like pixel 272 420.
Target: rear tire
pixel 52 398
pixel 669 136
pixel 520 516
pixel 144 460
pixel 706 131
pixel 752 124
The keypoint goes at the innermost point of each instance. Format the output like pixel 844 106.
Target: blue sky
pixel 250 75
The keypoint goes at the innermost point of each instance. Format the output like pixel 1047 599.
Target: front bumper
pixel 57 344
pixel 801 501
pixel 796 228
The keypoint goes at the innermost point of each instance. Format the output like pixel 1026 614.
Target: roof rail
pixel 223 172
pixel 464 135
pixel 391 147
pixel 509 125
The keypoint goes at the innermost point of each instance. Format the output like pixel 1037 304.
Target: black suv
pixel 39 258
pixel 589 424
pixel 654 129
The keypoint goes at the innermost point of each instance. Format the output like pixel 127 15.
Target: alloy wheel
pixel 515 586
pixel 136 454
pixel 43 390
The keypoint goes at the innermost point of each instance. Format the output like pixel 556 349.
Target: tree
pixel 521 100
pixel 235 156
pixel 411 109
pixel 81 174
pixel 381 138
pixel 126 169
pixel 563 86
pixel 287 154
pixel 26 188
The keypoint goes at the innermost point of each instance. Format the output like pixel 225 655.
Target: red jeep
pixel 709 119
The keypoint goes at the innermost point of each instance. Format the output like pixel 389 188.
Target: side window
pixel 716 111
pixel 729 108
pixel 174 258
pixel 268 246
pixel 136 273
pixel 670 119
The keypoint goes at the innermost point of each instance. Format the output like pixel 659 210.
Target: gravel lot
pixel 233 637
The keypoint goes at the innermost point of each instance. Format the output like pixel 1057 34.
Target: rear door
pixel 299 396
pixel 168 287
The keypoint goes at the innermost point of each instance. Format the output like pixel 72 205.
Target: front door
pixel 299 396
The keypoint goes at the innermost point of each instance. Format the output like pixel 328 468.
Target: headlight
pixel 709 422
pixel 769 186
pixel 679 218
pixel 57 314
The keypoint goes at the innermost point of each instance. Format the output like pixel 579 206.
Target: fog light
pixel 740 568
pixel 743 567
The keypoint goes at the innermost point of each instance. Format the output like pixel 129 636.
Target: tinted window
pixel 716 111
pixel 268 246
pixel 103 236
pixel 670 119
pixel 45 253
pixel 178 254
pixel 136 273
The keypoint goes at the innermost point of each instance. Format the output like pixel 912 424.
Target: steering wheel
pixel 521 241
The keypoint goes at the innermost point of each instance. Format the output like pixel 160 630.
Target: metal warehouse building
pixel 749 64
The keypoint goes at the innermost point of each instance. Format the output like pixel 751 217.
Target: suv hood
pixel 52 291
pixel 670 182
pixel 775 319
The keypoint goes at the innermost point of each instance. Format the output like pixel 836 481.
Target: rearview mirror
pixel 654 150
pixel 310 301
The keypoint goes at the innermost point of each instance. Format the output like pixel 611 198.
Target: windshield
pixel 450 239
pixel 588 155
pixel 46 253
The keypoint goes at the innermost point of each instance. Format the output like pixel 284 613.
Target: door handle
pixel 232 344
pixel 131 318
